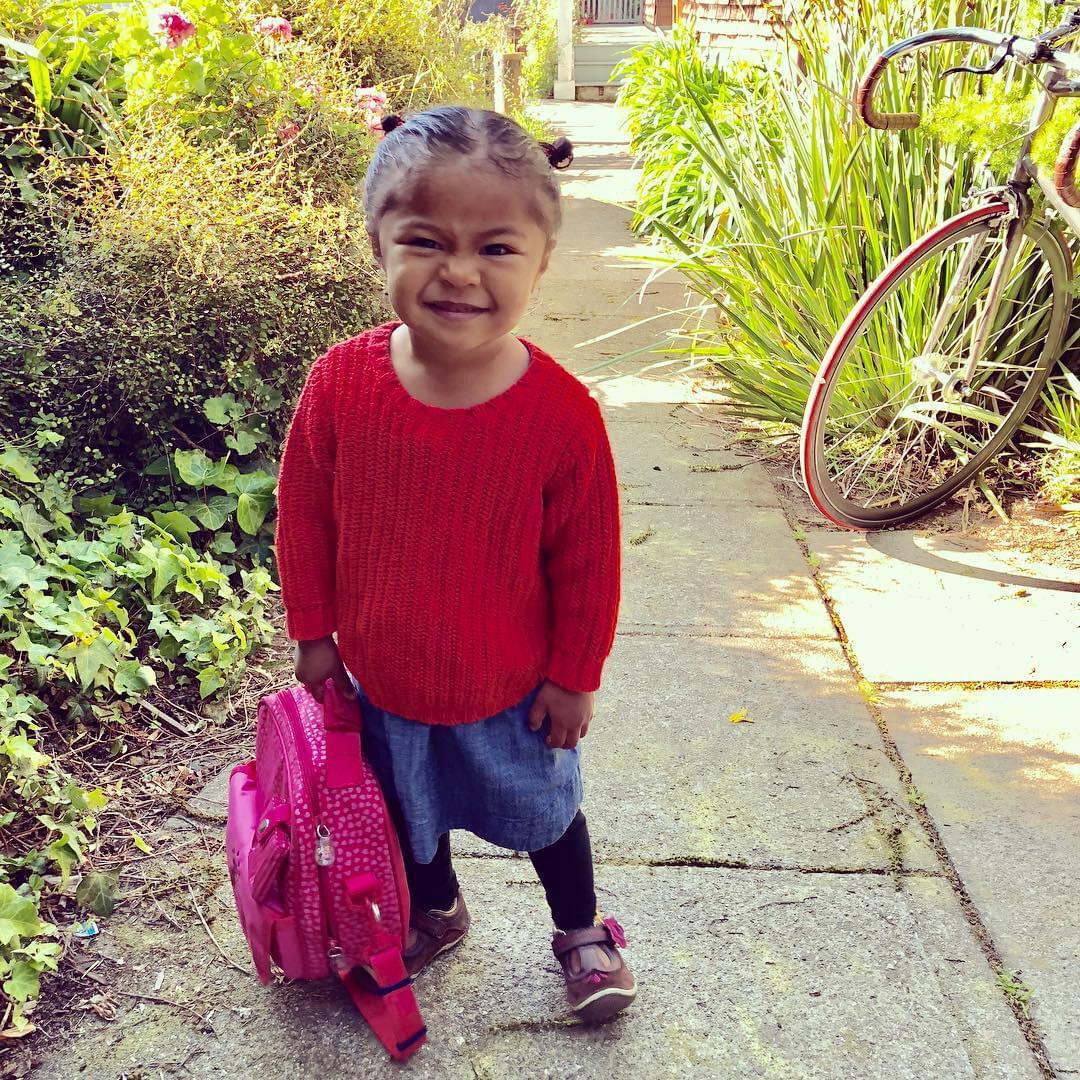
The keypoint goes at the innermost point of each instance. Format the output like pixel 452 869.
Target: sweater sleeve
pixel 306 538
pixel 582 558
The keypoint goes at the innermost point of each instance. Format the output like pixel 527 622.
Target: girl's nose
pixel 460 271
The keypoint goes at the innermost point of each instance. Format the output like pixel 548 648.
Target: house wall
pixel 724 25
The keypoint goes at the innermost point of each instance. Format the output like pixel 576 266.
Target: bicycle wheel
pixel 890 428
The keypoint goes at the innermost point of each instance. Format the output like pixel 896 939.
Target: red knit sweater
pixel 460 555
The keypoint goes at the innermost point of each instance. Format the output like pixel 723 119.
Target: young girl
pixel 449 511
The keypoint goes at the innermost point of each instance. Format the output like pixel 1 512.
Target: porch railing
pixel 611 11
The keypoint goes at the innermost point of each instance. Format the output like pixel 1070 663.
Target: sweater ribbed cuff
pixel 579 674
pixel 307 624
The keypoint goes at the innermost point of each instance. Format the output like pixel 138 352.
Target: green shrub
pixel 540 43
pixel 97 604
pixel 665 86
pixel 188 272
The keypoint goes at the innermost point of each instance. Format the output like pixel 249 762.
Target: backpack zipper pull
pixel 324 846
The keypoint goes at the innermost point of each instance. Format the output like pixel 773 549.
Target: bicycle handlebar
pixel 1065 169
pixel 1039 50
pixel 864 99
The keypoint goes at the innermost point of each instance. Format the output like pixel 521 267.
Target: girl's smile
pixel 462 248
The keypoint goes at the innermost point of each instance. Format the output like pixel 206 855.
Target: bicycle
pixel 945 353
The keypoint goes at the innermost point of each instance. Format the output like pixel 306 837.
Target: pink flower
pixel 275 26
pixel 288 131
pixel 171 26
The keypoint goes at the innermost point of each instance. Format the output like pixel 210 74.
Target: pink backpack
pixel 315 864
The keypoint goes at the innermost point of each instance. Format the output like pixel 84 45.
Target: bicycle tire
pixel 823 491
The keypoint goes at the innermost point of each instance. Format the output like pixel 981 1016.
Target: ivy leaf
pixel 176 523
pixel 209 680
pixel 226 479
pixel 97 505
pixel 251 511
pixel 17 464
pixel 159 467
pixel 18 916
pixel 23 983
pixel 166 569
pixel 133 679
pixel 90 658
pixel 255 483
pixel 214 512
pixel 223 544
pixel 196 468
pixel 98 892
pixel 34 525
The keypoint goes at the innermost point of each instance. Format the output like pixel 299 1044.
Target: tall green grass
pixel 804 205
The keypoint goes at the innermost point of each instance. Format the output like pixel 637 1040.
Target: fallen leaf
pixel 740 717
pixel 141 844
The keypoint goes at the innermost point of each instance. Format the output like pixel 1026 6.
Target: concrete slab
pixel 933 608
pixel 751 578
pixel 805 784
pixel 742 974
pixel 674 463
pixel 1000 771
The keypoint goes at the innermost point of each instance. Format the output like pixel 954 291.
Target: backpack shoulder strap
pixel 386 1000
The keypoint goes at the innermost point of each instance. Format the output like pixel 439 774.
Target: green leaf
pixel 141 844
pixel 98 892
pixel 251 511
pixel 223 544
pixel 133 679
pixel 101 506
pixel 209 680
pixel 35 526
pixel 23 983
pixel 176 523
pixel 223 410
pixel 161 466
pixel 255 483
pixel 199 470
pixel 166 569
pixel 243 442
pixel 214 512
pixel 18 916
pixel 17 464
pixel 90 658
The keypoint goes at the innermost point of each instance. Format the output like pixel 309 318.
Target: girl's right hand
pixel 319 660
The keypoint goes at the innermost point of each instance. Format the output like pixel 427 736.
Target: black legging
pixel 565 870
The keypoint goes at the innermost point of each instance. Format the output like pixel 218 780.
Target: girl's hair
pixel 450 130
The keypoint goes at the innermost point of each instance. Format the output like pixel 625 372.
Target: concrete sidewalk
pixel 791 909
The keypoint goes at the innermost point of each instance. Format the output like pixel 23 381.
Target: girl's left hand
pixel 570 714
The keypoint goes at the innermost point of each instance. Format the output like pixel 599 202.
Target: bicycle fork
pixel 955 384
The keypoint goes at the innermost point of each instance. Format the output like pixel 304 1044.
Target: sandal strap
pixel 574 939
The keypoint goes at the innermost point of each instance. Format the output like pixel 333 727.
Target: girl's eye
pixel 498 249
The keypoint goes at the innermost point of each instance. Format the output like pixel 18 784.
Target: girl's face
pixel 462 255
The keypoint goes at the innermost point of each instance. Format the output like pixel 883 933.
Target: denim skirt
pixel 494 778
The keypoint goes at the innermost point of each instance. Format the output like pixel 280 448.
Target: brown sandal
pixel 595 995
pixel 436 932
